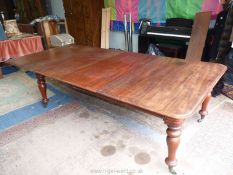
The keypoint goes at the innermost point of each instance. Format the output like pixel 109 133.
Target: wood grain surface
pixel 198 37
pixel 166 87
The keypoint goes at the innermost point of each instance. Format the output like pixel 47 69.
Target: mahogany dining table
pixel 169 88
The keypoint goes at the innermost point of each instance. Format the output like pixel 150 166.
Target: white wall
pixel 117 41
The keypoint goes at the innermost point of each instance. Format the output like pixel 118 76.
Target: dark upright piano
pixel 171 39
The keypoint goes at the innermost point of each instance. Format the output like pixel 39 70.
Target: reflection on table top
pixel 163 86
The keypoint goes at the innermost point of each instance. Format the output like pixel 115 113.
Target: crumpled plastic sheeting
pixel 45 18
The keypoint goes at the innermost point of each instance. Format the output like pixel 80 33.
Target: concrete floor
pixel 90 136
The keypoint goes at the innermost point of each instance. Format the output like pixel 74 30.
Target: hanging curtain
pixel 153 9
pixel 212 5
pixel 127 6
pixel 112 5
pixel 183 8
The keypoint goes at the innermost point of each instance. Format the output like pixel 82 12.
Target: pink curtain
pixel 212 5
pixel 127 6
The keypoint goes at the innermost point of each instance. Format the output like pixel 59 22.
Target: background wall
pixel 117 41
pixel 55 7
pixel 116 37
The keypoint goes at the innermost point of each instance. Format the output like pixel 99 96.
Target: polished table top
pixel 162 86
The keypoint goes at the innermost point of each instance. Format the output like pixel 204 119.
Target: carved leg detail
pixel 203 112
pixel 42 88
pixel 173 141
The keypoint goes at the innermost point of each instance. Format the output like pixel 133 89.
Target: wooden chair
pixel 46 29
pixel 26 28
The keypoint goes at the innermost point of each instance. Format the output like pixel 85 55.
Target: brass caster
pixel 45 103
pixel 172 170
pixel 201 119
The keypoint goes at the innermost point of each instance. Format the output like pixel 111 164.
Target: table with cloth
pixel 14 48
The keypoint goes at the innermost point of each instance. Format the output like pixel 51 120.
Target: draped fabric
pixel 19 47
pixel 158 10
pixel 183 8
pixel 127 6
pixel 212 5
pixel 112 5
pixel 155 10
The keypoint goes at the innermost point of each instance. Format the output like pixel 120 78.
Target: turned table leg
pixel 42 88
pixel 203 112
pixel 173 141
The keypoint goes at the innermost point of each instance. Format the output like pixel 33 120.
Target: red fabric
pixel 20 47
